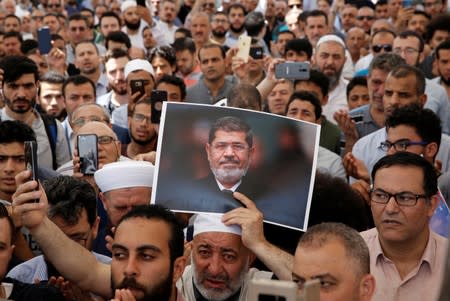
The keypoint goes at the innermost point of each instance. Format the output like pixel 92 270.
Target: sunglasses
pixel 386 47
pixel 368 18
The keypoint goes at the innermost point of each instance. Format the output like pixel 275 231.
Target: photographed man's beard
pixel 22 109
pixel 215 294
pixel 119 91
pixel 161 292
pixel 132 26
pixel 141 142
pixel 334 78
pixel 219 34
pixel 226 175
pixel 90 70
pixel 236 30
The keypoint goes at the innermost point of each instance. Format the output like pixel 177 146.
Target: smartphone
pixel 44 40
pixel 157 98
pixel 88 152
pixel 292 70
pixel 357 118
pixel 141 3
pixel 256 53
pixel 137 85
pixel 407 3
pixel 31 161
pixel 244 43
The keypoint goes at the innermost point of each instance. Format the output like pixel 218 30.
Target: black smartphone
pixel 137 85
pixel 88 152
pixel 141 3
pixel 157 98
pixel 31 161
pixel 44 40
pixel 256 53
pixel 292 70
pixel 357 118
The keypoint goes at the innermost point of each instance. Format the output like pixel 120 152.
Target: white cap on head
pixel 213 223
pixel 330 38
pixel 138 64
pixel 124 174
pixel 127 4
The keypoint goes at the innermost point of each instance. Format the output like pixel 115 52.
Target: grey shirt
pixel 199 93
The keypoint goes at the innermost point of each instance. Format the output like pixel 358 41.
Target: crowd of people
pixel 378 87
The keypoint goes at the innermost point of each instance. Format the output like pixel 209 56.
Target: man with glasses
pixel 219 27
pixel 406 257
pixel 434 7
pixel 72 208
pixel 380 42
pixel 365 17
pixel 54 6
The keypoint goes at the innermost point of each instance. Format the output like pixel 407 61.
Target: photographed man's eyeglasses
pixel 401 145
pixel 405 199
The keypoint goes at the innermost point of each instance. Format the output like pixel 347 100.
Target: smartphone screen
pixel 137 85
pixel 31 161
pixel 157 98
pixel 88 153
pixel 44 40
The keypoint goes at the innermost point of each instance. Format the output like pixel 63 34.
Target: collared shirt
pixel 422 283
pixel 337 100
pixel 231 38
pixel 368 124
pixel 101 85
pixel 199 93
pixel 168 29
pixel 69 134
pixel 330 163
pixel 438 102
pixel 192 78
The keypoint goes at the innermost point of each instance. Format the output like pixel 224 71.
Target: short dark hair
pixel 13 34
pixel 385 62
pixel 86 42
pixel 187 33
pixel 443 46
pixel 424 121
pixel 254 23
pixel 118 37
pixel 175 81
pixel 77 80
pixel 12 16
pixel 353 243
pixel 109 14
pixel 115 53
pixel 316 13
pixel 29 47
pixel 409 33
pixel 51 77
pixel 165 52
pixel 209 46
pixel 356 81
pixel 236 6
pixel 77 17
pixel 181 44
pixel 157 212
pixel 308 97
pixel 439 22
pixel 299 45
pixel 231 124
pixel 382 31
pixel 12 229
pixel 68 197
pixel 381 2
pixel 15 131
pixel 410 159
pixel 402 71
pixel 244 96
pixel 15 66
pixel 422 13
pixel 319 79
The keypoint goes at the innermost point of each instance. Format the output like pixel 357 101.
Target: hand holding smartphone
pixel 244 43
pixel 157 98
pixel 31 161
pixel 44 40
pixel 88 153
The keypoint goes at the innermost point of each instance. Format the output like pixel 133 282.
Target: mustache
pixel 230 160
pixel 221 277
pixel 130 283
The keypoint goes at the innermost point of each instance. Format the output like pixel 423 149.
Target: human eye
pixel 406 198
pixel 388 92
pixel 379 195
pixel 326 284
pixel 204 252
pixel 147 256
pixel 119 255
pixel 402 145
pixel 3 158
pixel 229 257
pixel 20 159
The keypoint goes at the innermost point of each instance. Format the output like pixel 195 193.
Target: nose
pixel 391 150
pixel 131 269
pixel 391 206
pixel 215 267
pixel 9 165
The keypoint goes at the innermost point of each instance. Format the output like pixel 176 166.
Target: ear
pixel 207 149
pixel 324 100
pixel 431 150
pixel 434 203
pixel 422 99
pixel 178 268
pixel 367 287
pixel 104 200
pixel 94 229
pixel 421 57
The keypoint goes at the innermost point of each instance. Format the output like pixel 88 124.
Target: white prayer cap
pixel 124 174
pixel 127 4
pixel 138 64
pixel 213 223
pixel 330 38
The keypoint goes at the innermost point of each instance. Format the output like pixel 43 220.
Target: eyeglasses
pixel 236 147
pixel 297 6
pixel 386 47
pixel 37 18
pixel 105 139
pixel 407 51
pixel 56 5
pixel 77 28
pixel 219 21
pixel 405 199
pixel 432 4
pixel 141 117
pixel 83 120
pixel 399 146
pixel 80 239
pixel 368 18
pixel 210 5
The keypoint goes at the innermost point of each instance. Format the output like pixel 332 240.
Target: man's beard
pixel 23 108
pixel 227 175
pixel 161 292
pixel 236 30
pixel 133 26
pixel 334 78
pixel 219 34
pixel 90 70
pixel 119 91
pixel 141 142
pixel 215 294
pixel 446 81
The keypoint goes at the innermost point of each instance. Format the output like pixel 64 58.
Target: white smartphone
pixel 244 43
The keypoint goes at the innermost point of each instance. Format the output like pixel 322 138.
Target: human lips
pixel 9 181
pixel 215 283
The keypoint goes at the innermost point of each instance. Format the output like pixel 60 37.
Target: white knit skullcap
pixel 213 223
pixel 127 4
pixel 137 65
pixel 124 174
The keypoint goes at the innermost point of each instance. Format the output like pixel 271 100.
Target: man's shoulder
pixel 370 234
pixel 372 139
pixel 104 99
